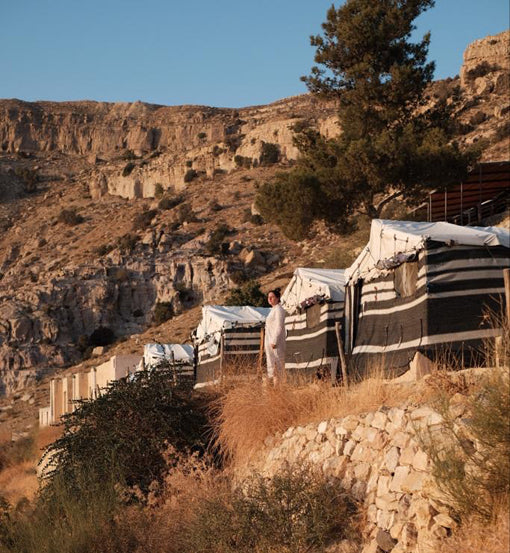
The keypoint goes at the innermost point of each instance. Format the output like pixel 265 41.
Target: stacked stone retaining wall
pixel 378 458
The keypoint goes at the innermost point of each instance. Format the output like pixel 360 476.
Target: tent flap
pixel 307 283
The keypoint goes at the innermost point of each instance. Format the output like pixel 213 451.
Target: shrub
pixel 300 126
pixel 242 161
pixel 238 277
pixel 128 169
pixel 233 142
pixel 163 311
pixel 127 243
pixel 290 201
pixel 190 175
pixel 185 214
pixel 471 466
pixel 144 219
pixel 481 70
pixel 248 293
pixel 29 177
pixel 69 522
pixel 104 249
pixel 215 245
pixel 215 206
pixel 478 118
pixel 253 218
pixel 216 151
pixel 295 511
pixel 169 202
pixel 201 135
pixel 502 132
pixel 158 190
pixel 270 154
pixel 126 431
pixel 70 217
pixel 128 155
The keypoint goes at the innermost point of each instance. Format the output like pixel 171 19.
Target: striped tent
pixel 426 287
pixel 224 332
pixel 314 301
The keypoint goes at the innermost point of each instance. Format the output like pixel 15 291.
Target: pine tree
pixel 392 143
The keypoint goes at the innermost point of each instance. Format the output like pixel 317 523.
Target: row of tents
pixel 432 288
pixel 415 287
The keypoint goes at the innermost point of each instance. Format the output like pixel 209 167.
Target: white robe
pixel 275 335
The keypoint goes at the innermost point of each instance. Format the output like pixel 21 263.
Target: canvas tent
pixel 226 331
pixel 314 301
pixel 181 356
pixel 423 287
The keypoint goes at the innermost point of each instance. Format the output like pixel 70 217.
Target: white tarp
pixel 153 354
pixel 390 238
pixel 306 283
pixel 216 318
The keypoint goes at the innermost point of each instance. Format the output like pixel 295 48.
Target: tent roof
pixel 389 238
pixel 306 283
pixel 155 353
pixel 218 317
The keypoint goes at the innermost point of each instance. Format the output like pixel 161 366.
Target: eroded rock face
pixel 485 60
pixel 204 139
pixel 48 325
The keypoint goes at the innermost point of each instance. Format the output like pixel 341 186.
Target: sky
pixel 224 53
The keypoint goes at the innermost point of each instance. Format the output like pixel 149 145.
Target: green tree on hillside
pixel 392 143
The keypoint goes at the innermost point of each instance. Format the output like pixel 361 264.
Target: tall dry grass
pixel 247 413
pixel 475 536
pixel 18 463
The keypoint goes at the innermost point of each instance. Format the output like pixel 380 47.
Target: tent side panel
pixel 241 347
pixel 456 290
pixel 311 345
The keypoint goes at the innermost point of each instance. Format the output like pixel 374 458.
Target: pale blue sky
pixel 220 53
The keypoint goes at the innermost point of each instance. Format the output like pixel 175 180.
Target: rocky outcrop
pixel 379 459
pixel 49 325
pixel 486 64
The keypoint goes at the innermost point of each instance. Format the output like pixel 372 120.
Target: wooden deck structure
pixel 485 192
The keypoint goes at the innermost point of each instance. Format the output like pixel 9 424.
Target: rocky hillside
pixel 113 216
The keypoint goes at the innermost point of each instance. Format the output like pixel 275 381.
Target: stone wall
pixel 377 457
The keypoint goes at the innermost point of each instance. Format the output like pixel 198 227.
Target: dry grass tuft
pixel 18 475
pixel 19 482
pixel 475 536
pixel 246 414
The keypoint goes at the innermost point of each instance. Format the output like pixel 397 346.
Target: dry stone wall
pixel 377 457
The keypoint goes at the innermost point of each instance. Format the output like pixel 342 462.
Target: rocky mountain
pixel 114 217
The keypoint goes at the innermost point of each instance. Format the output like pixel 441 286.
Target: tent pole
pixel 506 277
pixel 341 353
pixel 261 350
pixel 222 352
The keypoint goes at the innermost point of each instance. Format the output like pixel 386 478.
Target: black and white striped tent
pixel 314 302
pixel 224 332
pixel 424 287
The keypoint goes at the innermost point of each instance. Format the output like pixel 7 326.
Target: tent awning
pixel 153 354
pixel 391 238
pixel 216 318
pixel 306 283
